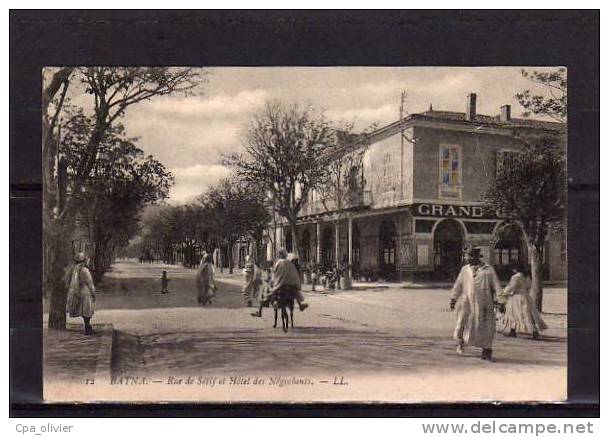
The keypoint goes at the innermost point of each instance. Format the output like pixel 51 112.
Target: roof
pixel 458 119
pixel 491 120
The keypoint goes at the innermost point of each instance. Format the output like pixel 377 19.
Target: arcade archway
pixel 305 246
pixel 328 248
pixel 387 250
pixel 355 250
pixel 510 248
pixel 448 241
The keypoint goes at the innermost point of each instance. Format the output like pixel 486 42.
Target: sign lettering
pixel 436 210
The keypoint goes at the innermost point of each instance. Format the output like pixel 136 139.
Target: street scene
pixel 305 234
pixel 372 331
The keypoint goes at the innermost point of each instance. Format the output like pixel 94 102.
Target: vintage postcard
pixel 305 234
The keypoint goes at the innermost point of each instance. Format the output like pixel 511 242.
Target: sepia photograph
pixel 304 234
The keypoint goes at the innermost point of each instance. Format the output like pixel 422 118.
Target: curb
pixel 103 364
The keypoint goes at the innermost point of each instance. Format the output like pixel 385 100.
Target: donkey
pixel 284 301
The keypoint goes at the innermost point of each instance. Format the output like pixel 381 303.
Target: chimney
pixel 470 111
pixel 506 113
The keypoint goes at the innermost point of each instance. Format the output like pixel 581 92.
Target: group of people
pixel 475 295
pixel 284 277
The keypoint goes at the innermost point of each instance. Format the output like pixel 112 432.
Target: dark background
pixel 311 38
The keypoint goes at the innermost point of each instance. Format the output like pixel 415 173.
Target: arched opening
pixel 355 250
pixel 305 246
pixel 510 248
pixel 328 248
pixel 448 241
pixel 387 250
pixel 288 239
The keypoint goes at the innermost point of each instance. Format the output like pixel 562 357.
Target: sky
pixel 189 135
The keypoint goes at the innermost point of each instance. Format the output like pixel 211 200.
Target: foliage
pixel 554 105
pixel 222 215
pixel 530 189
pixel 286 153
pixel 342 183
pixel 122 182
pixel 236 211
pixel 113 91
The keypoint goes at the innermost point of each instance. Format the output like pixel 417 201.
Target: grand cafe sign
pixel 458 211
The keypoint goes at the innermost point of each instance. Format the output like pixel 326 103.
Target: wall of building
pixel 399 187
pixel 478 161
pixel 388 171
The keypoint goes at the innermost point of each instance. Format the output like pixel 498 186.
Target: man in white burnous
pixel 474 295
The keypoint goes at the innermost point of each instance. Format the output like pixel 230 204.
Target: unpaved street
pixel 401 337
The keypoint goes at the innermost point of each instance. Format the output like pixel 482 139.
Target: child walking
pixel 164 282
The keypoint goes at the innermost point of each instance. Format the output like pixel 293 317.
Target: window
pixel 422 254
pixel 450 171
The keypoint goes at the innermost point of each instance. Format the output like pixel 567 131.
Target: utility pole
pixel 403 97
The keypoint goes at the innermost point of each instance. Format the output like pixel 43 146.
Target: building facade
pixel 425 176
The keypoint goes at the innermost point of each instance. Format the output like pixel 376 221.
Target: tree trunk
pixel 536 276
pixel 58 259
pixel 230 258
pixel 294 232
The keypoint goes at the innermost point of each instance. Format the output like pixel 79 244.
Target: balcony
pixel 359 199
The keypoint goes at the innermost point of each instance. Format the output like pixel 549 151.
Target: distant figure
pixel 81 292
pixel 206 285
pixel 477 285
pixel 520 311
pixel 164 282
pixel 253 280
pixel 217 259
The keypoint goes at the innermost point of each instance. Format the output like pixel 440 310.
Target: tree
pixel 113 91
pixel 342 184
pixel 530 189
pixel 122 182
pixel 554 103
pixel 285 155
pixel 237 211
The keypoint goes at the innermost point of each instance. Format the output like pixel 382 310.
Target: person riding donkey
pixel 285 279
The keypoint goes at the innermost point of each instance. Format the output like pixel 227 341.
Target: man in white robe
pixel 475 290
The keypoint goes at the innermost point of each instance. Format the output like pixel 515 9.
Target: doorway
pixel 448 241
pixel 387 250
pixel 328 248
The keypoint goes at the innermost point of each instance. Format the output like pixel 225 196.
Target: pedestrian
pixel 164 282
pixel 253 280
pixel 81 292
pixel 520 312
pixel 206 286
pixel 287 278
pixel 265 296
pixel 314 275
pixel 475 290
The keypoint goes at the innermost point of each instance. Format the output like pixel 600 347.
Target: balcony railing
pixel 358 199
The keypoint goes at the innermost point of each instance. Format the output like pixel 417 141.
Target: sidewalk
pixel 413 285
pixel 72 357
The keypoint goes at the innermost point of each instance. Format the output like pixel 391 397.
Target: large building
pixel 421 202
